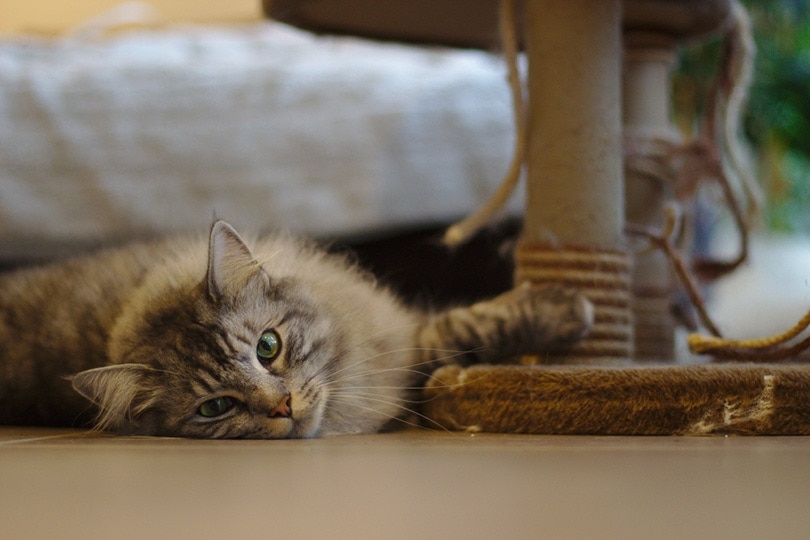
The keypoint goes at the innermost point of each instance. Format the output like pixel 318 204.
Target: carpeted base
pixel 748 399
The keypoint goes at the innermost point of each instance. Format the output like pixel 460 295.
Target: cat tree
pixel 597 69
pixel 598 82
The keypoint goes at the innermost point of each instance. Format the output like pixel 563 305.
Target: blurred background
pixel 777 122
pixel 53 18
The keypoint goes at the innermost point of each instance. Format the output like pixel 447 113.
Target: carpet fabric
pixel 747 399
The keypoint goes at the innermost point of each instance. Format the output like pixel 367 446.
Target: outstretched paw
pixel 553 316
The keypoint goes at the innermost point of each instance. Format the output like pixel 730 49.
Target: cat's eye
pixel 269 346
pixel 216 407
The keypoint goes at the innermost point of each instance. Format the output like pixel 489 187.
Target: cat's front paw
pixel 528 320
pixel 555 316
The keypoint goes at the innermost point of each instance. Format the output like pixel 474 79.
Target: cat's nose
pixel 283 409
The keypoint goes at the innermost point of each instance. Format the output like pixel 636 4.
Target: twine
pixel 463 230
pixel 715 153
pixel 767 348
pixel 771 348
pixel 603 275
pixel 664 240
pixel 728 97
pixel 684 166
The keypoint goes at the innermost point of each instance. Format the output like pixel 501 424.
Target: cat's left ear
pixel 117 390
pixel 231 266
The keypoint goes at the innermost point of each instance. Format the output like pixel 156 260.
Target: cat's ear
pixel 117 390
pixel 231 266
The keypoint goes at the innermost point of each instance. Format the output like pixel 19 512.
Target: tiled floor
pixel 415 484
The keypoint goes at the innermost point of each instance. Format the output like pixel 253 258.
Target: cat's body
pixel 208 337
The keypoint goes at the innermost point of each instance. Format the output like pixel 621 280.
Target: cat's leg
pixel 526 320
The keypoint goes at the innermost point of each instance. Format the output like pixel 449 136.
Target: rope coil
pixel 603 275
pixel 654 324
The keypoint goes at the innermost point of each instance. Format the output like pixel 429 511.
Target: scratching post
pixel 652 31
pixel 648 60
pixel 573 232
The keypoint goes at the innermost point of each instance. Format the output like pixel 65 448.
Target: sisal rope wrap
pixel 654 338
pixel 600 274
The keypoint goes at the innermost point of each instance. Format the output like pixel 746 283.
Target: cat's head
pixel 231 354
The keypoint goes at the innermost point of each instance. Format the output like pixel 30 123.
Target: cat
pixel 225 337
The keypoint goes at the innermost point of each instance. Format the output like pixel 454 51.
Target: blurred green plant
pixel 777 120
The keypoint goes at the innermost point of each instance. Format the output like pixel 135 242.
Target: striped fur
pixel 151 332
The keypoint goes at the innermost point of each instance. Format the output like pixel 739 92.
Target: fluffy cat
pixel 209 337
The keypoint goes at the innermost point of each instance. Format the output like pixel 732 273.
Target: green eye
pixel 269 346
pixel 217 406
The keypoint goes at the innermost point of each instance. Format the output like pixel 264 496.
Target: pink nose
pixel 283 409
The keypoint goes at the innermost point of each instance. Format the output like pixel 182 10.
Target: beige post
pixel 573 231
pixel 648 61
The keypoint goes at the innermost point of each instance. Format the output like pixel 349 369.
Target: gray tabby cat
pixel 211 338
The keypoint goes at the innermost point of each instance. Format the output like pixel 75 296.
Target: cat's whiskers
pixel 452 353
pixel 391 417
pixel 351 390
pixel 382 387
pixel 432 361
pixel 362 343
pixel 353 393
pixel 352 401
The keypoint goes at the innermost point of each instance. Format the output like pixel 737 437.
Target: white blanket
pixel 155 131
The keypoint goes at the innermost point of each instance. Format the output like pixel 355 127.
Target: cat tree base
pixel 674 400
